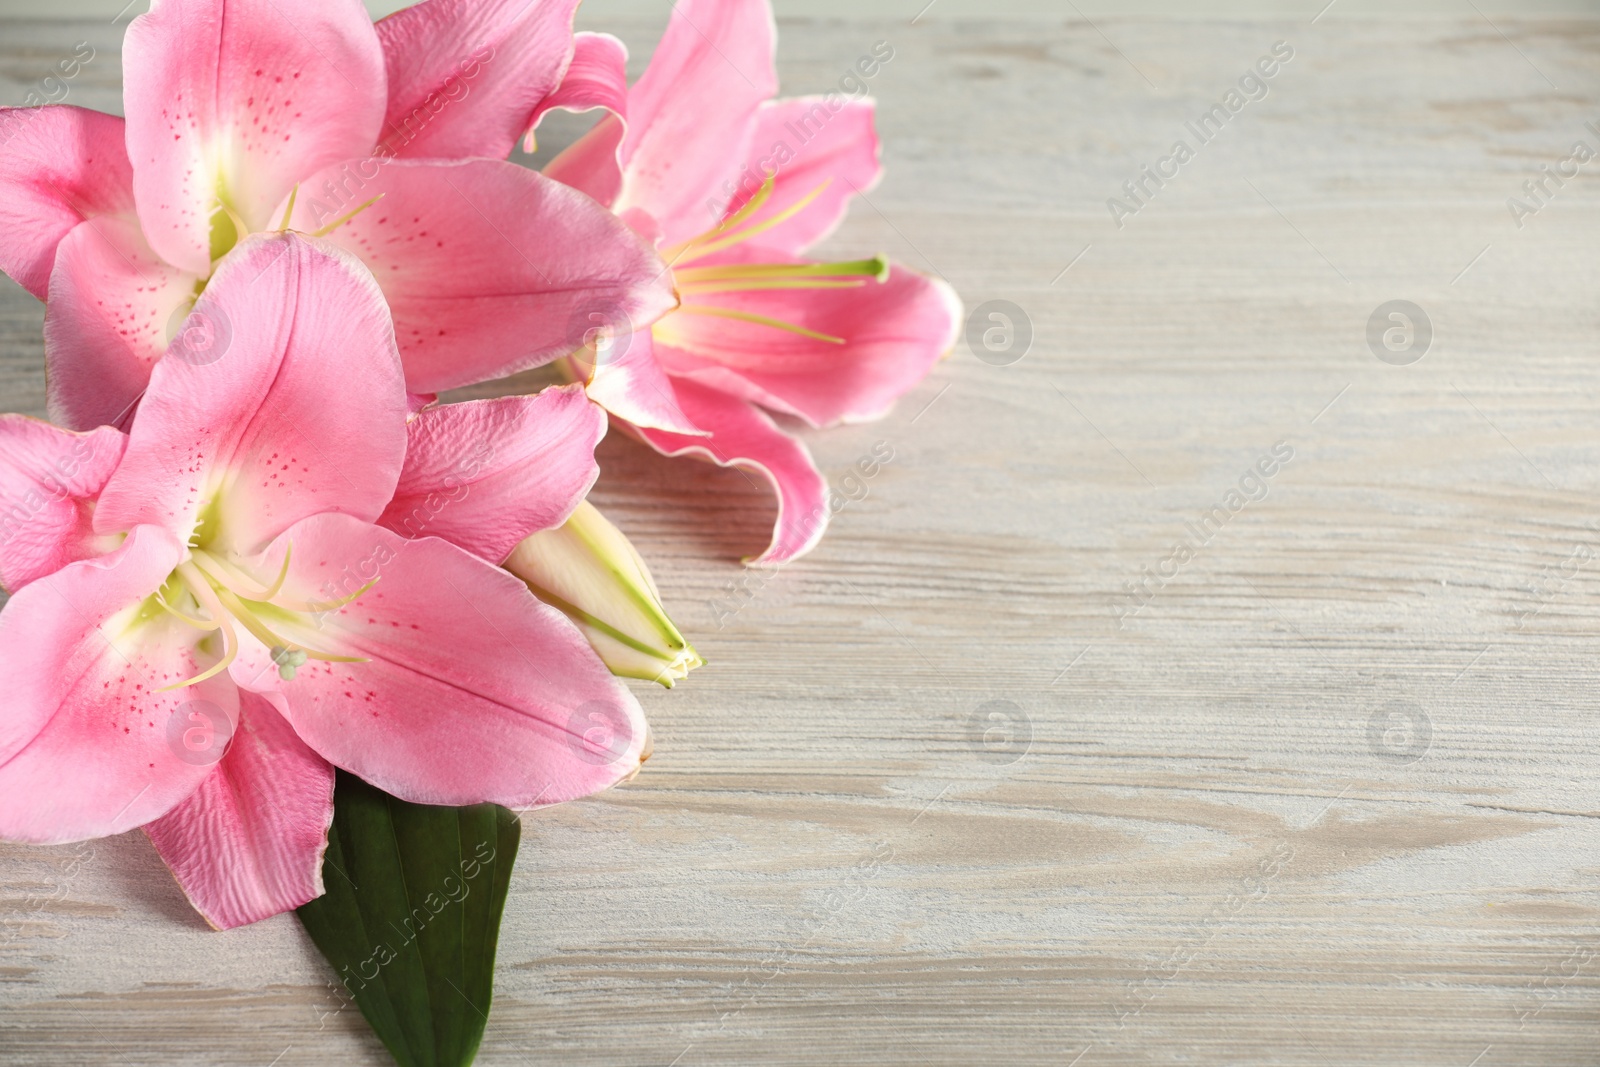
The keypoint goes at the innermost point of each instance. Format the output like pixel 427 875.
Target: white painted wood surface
pixel 1218 846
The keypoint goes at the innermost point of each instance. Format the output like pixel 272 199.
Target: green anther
pixel 288 660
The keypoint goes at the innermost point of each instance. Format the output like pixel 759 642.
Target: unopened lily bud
pixel 590 571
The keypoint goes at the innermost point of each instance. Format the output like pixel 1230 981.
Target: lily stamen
pixel 322 607
pixel 289 660
pixel 876 268
pixel 222 571
pixel 183 616
pixel 247 618
pixel 710 242
pixel 756 277
pixel 671 254
pixel 733 278
pixel 759 320
pixel 247 614
pixel 200 589
pixel 346 217
pixel 227 595
pixel 701 288
pixel 289 210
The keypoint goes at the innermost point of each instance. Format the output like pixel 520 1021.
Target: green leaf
pixel 411 917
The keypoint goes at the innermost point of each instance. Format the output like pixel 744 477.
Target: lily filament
pixel 753 277
pixel 227 595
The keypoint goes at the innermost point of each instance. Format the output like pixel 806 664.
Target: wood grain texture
pixel 1220 845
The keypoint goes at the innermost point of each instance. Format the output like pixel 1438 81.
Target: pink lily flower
pixel 250 115
pixel 734 186
pixel 499 479
pixel 211 612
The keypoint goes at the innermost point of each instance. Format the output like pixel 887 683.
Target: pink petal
pixel 627 380
pixel 691 116
pixel 489 268
pixel 294 406
pixel 87 741
pixel 242 99
pixel 113 304
pixel 598 77
pixel 642 223
pixel 809 144
pixel 487 473
pixel 48 481
pixel 466 76
pixel 248 843
pixel 744 436
pixel 60 165
pixel 472 690
pixel 894 332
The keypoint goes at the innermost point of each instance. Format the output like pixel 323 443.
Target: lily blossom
pixel 246 116
pixel 208 614
pixel 734 186
pixel 590 570
pixel 506 479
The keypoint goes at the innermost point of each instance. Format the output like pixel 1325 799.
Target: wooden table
pixel 995 775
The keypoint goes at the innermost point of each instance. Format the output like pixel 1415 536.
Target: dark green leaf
pixel 411 917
